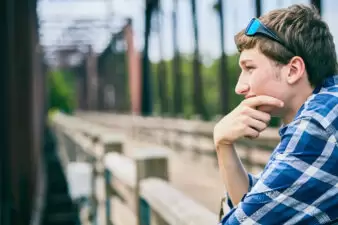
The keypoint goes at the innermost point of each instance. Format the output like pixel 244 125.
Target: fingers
pixel 245 120
pixel 256 124
pixel 262 100
pixel 259 115
pixel 251 133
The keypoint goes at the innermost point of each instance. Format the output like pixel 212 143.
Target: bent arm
pixel 298 183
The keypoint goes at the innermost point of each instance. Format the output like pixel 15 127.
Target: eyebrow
pixel 241 62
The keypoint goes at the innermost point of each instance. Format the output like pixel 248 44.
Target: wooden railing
pixel 138 188
pixel 192 136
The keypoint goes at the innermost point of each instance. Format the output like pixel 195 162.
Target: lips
pixel 249 96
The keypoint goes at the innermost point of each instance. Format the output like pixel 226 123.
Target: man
pixel 288 63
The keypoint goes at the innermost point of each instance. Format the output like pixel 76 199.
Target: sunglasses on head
pixel 257 27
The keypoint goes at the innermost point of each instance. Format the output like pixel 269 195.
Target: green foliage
pixel 211 86
pixel 61 88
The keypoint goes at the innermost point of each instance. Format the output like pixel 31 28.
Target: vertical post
pixel 99 171
pixel 146 93
pixel 111 143
pixel 107 178
pixel 258 8
pixel 161 68
pixel 92 80
pixel 23 116
pixel 318 5
pixel 197 87
pixel 144 212
pixel 151 162
pixel 5 164
pixel 82 87
pixel 134 70
pixel 223 73
pixel 85 88
pixel 94 200
pixel 177 75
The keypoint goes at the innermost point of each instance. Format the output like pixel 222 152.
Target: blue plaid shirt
pixel 299 185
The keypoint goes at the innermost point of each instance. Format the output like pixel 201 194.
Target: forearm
pixel 235 177
pixel 244 121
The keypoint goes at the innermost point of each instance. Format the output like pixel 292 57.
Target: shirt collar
pixel 328 82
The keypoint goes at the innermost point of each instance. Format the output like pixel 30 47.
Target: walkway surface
pixel 197 178
pixel 200 180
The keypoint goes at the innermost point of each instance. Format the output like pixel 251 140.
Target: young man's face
pixel 261 76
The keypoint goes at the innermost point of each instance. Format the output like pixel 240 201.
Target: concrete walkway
pixel 198 178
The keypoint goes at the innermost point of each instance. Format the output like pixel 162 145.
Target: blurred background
pixel 182 57
pixel 157 72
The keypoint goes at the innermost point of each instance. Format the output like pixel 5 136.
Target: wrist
pixel 224 145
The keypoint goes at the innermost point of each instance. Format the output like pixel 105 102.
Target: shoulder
pixel 317 120
pixel 322 109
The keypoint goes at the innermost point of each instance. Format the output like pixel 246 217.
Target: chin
pixel 273 111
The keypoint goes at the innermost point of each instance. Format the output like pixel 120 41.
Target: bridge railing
pixel 194 137
pixel 137 187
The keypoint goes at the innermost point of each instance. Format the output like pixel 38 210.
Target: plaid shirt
pixel 299 185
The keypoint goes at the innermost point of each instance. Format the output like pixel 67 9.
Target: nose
pixel 242 87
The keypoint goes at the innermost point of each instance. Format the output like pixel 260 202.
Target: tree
pixel 258 8
pixel 61 91
pixel 146 102
pixel 318 5
pixel 161 68
pixel 198 96
pixel 223 73
pixel 177 73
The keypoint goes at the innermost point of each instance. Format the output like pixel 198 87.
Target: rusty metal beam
pixel 5 187
pixel 23 107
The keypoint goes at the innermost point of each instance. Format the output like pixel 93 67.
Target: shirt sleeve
pixel 295 170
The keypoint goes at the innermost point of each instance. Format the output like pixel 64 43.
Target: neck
pixel 296 103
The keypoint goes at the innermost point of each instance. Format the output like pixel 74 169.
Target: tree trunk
pixel 223 73
pixel 258 8
pixel 161 69
pixel 177 76
pixel 146 91
pixel 318 5
pixel 198 100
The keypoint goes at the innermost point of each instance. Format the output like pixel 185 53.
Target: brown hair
pixel 304 32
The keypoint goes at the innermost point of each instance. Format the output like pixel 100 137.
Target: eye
pixel 250 68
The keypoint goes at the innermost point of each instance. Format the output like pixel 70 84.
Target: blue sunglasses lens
pixel 253 27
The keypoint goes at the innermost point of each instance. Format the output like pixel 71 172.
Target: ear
pixel 297 70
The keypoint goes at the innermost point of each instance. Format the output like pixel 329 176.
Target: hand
pixel 245 120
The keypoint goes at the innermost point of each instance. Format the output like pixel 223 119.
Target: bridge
pixel 148 170
pixel 130 146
